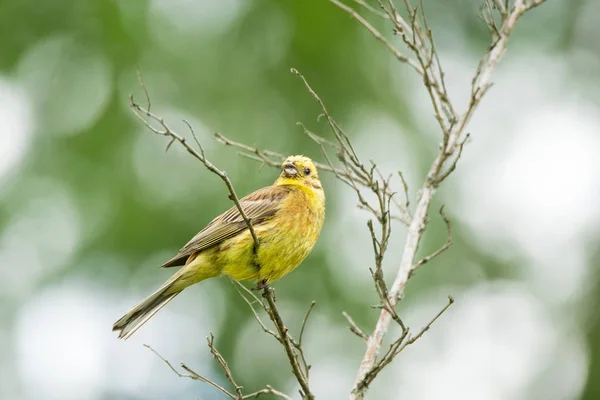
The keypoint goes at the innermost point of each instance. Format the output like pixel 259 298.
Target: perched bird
pixel 287 218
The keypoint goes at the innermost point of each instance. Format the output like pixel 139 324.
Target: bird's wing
pixel 258 207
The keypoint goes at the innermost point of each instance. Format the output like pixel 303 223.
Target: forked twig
pixel 288 344
pixel 444 247
pixel 144 113
pixel 398 346
pixel 354 328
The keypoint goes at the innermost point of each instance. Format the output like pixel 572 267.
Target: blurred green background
pixel 90 203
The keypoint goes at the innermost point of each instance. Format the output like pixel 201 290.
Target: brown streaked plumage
pixel 258 207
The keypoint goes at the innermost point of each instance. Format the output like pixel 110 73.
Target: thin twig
pixel 444 247
pixel 192 374
pixel 372 9
pixel 398 346
pixel 298 344
pixel 310 308
pixel 405 187
pixel 354 328
pixel 143 85
pixel 413 339
pixel 288 344
pixel 267 390
pixel 143 113
pixel 210 340
pixel 237 286
pixel 399 56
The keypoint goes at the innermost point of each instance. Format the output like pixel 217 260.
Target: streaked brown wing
pixel 259 206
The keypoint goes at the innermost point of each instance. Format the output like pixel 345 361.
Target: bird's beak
pixel 290 169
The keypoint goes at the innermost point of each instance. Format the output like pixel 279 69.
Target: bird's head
pixel 299 170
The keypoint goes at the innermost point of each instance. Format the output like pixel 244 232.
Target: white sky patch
pixel 16 121
pixel 69 83
pixel 39 238
pixel 66 349
pixel 60 351
pixel 529 179
pixel 496 342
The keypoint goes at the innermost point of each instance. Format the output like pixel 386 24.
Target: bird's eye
pixel 306 171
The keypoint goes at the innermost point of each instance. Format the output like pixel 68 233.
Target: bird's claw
pixel 261 285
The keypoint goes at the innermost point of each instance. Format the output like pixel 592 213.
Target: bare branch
pixel 439 251
pixel 143 113
pixel 371 9
pixel 399 56
pixel 237 286
pixel 405 187
pixel 398 346
pixel 312 305
pixel 267 390
pixel 500 6
pixel 143 85
pixel 238 389
pixel 443 175
pixel 451 149
pixel 354 328
pixel 288 344
pixel 192 374
pixel 428 326
pixel 293 348
pixel 298 344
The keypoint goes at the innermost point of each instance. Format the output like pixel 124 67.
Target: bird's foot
pixel 261 285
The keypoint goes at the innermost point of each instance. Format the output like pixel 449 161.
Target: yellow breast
pixel 292 235
pixel 285 240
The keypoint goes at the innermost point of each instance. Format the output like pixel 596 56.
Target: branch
pixel 192 374
pixel 298 344
pixel 288 343
pixel 238 389
pixel 399 56
pixel 354 328
pixel 293 349
pixel 268 389
pixel 439 251
pixel 237 286
pixel 144 114
pixel 452 135
pixel 398 346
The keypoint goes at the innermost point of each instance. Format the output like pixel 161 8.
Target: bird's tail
pixel 143 311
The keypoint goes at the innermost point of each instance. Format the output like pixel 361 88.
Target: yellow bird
pixel 287 218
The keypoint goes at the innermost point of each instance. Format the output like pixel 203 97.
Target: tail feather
pixel 192 273
pixel 143 311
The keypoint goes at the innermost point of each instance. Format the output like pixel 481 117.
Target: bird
pixel 287 218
